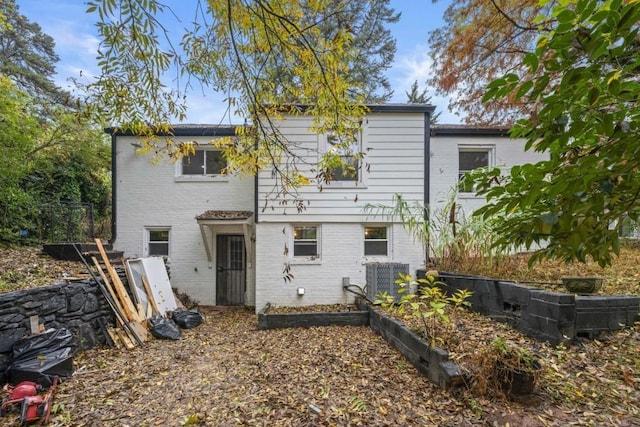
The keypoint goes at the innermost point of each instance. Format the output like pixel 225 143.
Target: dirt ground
pixel 226 372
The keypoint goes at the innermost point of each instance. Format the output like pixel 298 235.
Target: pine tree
pixel 414 96
pixel 27 56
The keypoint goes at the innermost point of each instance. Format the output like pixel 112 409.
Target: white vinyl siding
pixel 392 162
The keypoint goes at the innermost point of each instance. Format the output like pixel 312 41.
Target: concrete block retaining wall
pixel 268 320
pixel 431 362
pixel 556 317
pixel 78 306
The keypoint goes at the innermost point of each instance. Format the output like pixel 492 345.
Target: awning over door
pixel 212 219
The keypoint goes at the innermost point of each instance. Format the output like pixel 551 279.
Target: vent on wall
pixel 381 277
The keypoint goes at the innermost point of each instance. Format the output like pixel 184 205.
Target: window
pixel 305 241
pixel 203 162
pixel 470 158
pixel 349 152
pixel 376 242
pixel 157 240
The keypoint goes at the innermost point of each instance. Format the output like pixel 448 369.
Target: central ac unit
pixel 381 277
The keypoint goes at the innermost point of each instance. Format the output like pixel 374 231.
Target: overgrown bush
pixel 428 304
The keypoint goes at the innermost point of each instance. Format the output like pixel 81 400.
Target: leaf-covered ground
pixel 227 372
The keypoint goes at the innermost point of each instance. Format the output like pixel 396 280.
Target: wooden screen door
pixel 230 269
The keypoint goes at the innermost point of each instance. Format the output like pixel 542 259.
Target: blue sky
pixel 74 33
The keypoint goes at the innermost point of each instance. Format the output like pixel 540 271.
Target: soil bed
pixel 328 308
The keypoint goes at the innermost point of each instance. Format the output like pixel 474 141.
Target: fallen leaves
pixel 227 372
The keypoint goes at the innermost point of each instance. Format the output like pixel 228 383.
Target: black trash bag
pixel 164 328
pixel 187 319
pixel 40 358
pixel 43 368
pixel 50 340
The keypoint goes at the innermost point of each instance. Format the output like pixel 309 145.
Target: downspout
pixel 255 198
pixel 255 189
pixel 427 180
pixel 113 188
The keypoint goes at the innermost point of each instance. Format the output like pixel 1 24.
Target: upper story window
pixel 348 149
pixel 469 159
pixel 305 241
pixel 376 242
pixel 204 162
pixel 157 241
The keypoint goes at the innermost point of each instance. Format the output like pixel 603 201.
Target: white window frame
pixel 181 177
pixel 364 242
pixel 325 146
pixel 147 240
pixel 305 259
pixel 484 148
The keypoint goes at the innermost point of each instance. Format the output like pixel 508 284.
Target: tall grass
pixel 452 239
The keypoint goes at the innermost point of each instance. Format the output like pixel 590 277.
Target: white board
pixel 155 271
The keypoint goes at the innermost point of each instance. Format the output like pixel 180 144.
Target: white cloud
pixel 417 66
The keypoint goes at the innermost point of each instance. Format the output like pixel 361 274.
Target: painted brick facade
pixel 393 138
pixel 149 195
pixel 341 255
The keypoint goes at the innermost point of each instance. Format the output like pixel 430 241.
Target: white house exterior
pixel 224 248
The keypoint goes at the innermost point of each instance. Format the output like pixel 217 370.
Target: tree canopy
pixel 417 96
pixel 323 58
pixel 27 55
pixel 482 40
pixel 583 76
pixel 49 153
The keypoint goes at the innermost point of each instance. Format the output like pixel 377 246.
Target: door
pixel 230 269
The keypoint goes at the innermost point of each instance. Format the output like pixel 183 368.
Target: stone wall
pixel 78 306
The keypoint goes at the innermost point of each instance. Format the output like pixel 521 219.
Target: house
pixel 230 241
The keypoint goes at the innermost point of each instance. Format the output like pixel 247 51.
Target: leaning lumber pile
pixel 133 309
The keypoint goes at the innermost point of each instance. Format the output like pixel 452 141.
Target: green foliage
pixel 320 58
pixel 586 87
pixel 18 134
pixel 450 237
pixel 27 55
pixel 63 159
pixel 428 304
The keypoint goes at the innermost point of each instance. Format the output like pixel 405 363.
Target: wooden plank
pixel 115 337
pixel 140 330
pixel 137 328
pixel 150 294
pixel 128 344
pixel 129 309
pixel 107 285
pixel 33 322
